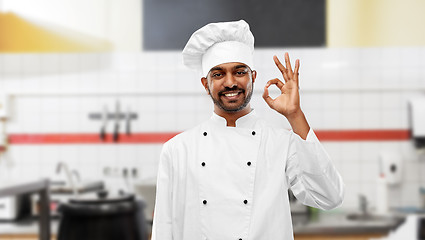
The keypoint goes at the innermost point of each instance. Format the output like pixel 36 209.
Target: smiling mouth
pixel 231 94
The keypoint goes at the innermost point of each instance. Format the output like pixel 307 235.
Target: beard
pixel 218 102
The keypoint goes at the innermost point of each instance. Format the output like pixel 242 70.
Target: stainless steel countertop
pixel 337 223
pixel 23 187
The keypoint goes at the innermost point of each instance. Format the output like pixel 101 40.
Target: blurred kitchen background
pixel 98 86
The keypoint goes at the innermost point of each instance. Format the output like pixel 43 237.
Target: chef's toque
pixel 218 43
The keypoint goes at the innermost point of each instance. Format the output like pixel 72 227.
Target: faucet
pixel 68 176
pixel 77 175
pixel 363 204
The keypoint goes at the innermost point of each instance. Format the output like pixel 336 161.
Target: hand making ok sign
pixel 288 103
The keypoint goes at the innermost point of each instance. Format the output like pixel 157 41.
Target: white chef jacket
pixel 228 183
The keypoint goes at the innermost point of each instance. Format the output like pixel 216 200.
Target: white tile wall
pixel 340 89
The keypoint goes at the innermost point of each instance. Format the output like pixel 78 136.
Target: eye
pixel 217 75
pixel 240 73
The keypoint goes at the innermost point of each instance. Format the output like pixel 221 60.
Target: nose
pixel 230 81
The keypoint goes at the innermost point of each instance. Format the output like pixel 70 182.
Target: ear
pixel 204 82
pixel 254 75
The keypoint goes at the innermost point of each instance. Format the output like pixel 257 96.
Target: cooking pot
pixel 102 217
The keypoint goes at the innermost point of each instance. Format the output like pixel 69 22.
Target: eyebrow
pixel 240 66
pixel 216 68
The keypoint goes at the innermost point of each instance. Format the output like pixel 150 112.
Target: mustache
pixel 234 88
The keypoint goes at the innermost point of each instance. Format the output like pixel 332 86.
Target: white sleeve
pixel 311 175
pixel 162 219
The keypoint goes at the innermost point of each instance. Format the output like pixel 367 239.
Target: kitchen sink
pixel 366 217
pixel 60 187
pixel 61 192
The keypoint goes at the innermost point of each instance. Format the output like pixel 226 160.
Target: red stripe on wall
pixel 363 135
pixel 161 137
pixel 88 138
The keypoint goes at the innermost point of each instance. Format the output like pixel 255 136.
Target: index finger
pixel 276 82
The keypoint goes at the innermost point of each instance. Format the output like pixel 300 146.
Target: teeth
pixel 230 94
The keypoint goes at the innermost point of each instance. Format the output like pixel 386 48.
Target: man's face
pixel 230 86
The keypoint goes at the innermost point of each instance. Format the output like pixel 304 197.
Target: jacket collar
pixel 246 121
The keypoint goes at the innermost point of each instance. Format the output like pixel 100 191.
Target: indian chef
pixel 228 178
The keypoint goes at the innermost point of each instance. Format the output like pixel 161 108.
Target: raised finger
pixel 286 76
pixel 282 69
pixel 296 69
pixel 288 64
pixel 279 64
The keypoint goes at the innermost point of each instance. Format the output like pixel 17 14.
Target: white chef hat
pixel 218 43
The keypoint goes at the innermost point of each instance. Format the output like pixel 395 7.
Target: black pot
pixel 102 218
